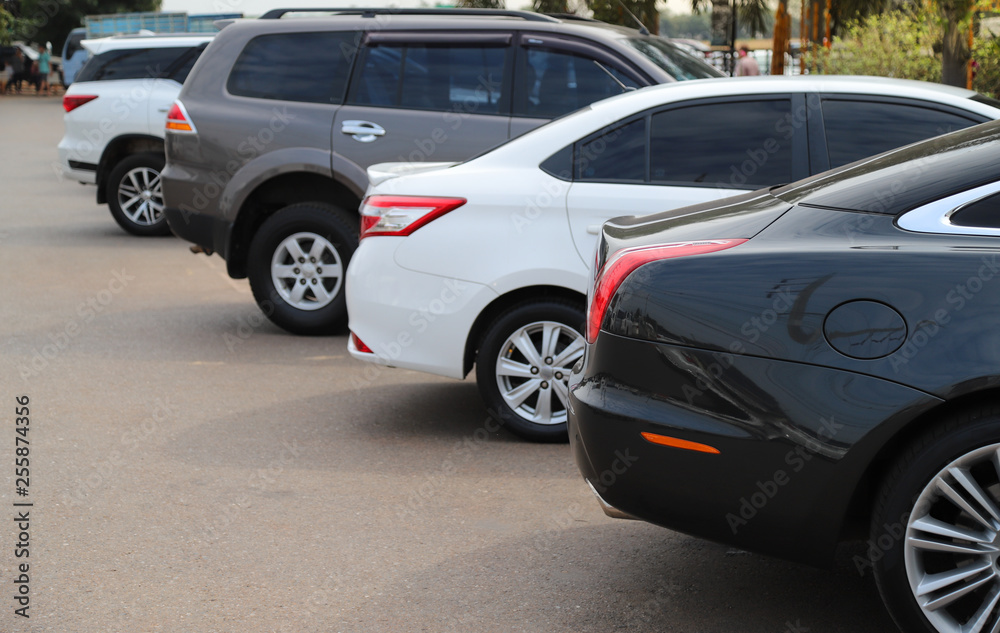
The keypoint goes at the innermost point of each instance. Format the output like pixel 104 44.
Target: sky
pixel 256 7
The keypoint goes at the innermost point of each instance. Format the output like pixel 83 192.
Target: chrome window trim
pixel 936 216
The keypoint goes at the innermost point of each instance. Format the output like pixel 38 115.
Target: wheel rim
pixel 140 196
pixel 953 545
pixel 307 271
pixel 533 370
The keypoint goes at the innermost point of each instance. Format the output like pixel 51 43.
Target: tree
pixel 550 6
pixel 51 20
pixel 618 12
pixel 955 16
pixel 481 4
pixel 755 15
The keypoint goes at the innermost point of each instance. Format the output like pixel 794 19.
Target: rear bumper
pixel 209 232
pixel 794 442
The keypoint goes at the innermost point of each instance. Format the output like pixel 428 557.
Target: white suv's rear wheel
pixel 135 194
pixel 296 266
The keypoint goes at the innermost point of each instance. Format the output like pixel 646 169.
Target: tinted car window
pixel 132 63
pixel 554 83
pixel 734 144
pixel 310 67
pixel 983 213
pixel 617 155
pixel 184 66
pixel 676 62
pixel 857 129
pixel 454 77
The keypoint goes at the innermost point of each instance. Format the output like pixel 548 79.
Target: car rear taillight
pixel 72 102
pixel 625 261
pixel 402 215
pixel 179 121
pixel 360 345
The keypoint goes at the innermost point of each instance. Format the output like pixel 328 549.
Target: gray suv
pixel 268 143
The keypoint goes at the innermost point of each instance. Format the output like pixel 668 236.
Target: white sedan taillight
pixel 402 215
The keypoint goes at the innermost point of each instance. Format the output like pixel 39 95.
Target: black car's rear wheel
pixel 523 367
pixel 297 262
pixel 935 540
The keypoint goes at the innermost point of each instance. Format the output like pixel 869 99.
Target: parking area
pixel 194 468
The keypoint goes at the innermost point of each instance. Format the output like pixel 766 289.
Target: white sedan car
pixel 485 263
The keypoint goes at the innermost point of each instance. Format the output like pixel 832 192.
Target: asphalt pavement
pixel 192 468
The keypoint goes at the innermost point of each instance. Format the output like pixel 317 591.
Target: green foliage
pixel 480 4
pixel 51 20
pixel 696 26
pixel 8 26
pixel 986 52
pixel 550 6
pixel 752 16
pixel 898 43
pixel 612 11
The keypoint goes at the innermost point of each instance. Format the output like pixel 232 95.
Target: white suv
pixel 116 111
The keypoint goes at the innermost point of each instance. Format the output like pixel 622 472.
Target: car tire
pixel 135 194
pixel 522 368
pixel 935 561
pixel 297 264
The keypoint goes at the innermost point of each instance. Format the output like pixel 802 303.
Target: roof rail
pixel 571 16
pixel 275 14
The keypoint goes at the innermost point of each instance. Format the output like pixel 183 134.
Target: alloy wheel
pixel 307 271
pixel 952 547
pixel 533 368
pixel 140 196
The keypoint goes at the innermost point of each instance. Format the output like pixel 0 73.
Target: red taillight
pixel 178 119
pixel 359 345
pixel 625 261
pixel 72 102
pixel 402 215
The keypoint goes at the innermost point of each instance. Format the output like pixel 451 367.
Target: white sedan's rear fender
pixel 410 319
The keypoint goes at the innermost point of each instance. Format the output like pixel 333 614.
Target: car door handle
pixel 363 131
pixel 164 110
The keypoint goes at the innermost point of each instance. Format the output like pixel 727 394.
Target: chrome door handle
pixel 364 131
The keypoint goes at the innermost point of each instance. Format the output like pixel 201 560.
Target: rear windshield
pixel 676 62
pixel 133 63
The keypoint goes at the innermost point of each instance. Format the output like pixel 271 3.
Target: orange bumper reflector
pixel 666 440
pixel 180 126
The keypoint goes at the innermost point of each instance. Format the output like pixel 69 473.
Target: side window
pixel 453 77
pixel 983 213
pixel 131 63
pixel 738 144
pixel 618 154
pixel 310 67
pixel 858 129
pixel 184 66
pixel 552 83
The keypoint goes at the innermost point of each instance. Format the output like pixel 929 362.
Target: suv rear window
pixel 310 67
pixel 133 63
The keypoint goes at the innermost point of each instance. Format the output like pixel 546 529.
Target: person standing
pixel 17 76
pixel 44 58
pixel 747 65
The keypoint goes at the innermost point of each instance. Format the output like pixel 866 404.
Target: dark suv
pixel 268 143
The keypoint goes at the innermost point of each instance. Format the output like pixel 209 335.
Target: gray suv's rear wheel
pixel 135 195
pixel 297 261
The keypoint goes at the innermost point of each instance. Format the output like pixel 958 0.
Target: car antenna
pixel 642 27
pixel 613 78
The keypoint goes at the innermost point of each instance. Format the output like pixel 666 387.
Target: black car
pixel 810 364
